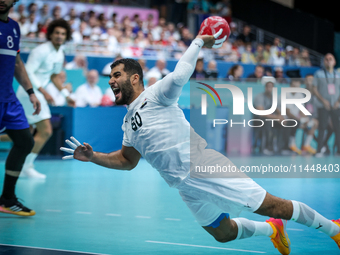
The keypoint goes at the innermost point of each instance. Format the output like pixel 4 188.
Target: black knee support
pixel 22 145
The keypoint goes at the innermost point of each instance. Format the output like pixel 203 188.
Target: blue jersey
pixel 9 48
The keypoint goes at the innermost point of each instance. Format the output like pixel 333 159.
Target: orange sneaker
pixel 336 238
pixel 280 237
pixel 309 149
pixel 295 149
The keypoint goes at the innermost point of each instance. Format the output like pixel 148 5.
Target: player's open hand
pixel 36 104
pixel 210 41
pixel 79 151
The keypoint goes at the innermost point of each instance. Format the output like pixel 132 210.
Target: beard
pixel 6 10
pixel 126 93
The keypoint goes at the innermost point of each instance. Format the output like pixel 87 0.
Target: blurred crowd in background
pixel 135 37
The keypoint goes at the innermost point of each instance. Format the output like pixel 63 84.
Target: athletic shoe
pixel 336 238
pixel 30 172
pixel 280 237
pixel 319 155
pixel 13 206
pixel 309 149
pixel 295 149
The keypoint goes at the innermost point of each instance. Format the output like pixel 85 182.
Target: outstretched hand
pixel 210 41
pixel 80 152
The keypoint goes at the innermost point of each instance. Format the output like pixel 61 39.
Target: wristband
pixel 30 91
pixel 65 92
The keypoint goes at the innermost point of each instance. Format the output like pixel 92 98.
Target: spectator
pixel 112 22
pixel 58 97
pixel 199 72
pixel 79 62
pixel 261 56
pixel 56 13
pixel 305 122
pixel 235 73
pixel 276 47
pixel 186 36
pixel 32 8
pixel 327 90
pixel 264 101
pixel 44 14
pixel 32 23
pixel 160 68
pixel 291 58
pixel 233 32
pixel 247 56
pixel 212 71
pixel 89 94
pixel 304 59
pixel 296 56
pixel 279 75
pixel 278 59
pixel 24 26
pixel 257 75
pixel 246 36
pixel 142 63
pixel 312 106
pixel 22 10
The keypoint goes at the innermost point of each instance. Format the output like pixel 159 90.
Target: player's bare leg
pixel 44 132
pixel 280 210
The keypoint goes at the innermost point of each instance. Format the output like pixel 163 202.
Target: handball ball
pixel 213 24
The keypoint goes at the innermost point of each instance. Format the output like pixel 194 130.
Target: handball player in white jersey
pixel 155 128
pixel 43 65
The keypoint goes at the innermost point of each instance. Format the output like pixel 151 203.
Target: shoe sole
pixel 4 210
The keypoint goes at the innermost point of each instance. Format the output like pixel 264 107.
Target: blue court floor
pixel 86 209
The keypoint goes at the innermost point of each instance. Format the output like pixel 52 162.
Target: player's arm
pixel 21 76
pixel 55 78
pixel 124 159
pixel 170 87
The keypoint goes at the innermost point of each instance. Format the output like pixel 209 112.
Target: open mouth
pixel 116 91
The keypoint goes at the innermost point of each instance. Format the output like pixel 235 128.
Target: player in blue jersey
pixel 12 115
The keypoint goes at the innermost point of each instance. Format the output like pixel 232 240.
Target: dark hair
pixel 233 69
pixel 131 67
pixel 200 60
pixel 59 23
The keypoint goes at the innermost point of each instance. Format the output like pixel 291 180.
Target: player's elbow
pixel 182 73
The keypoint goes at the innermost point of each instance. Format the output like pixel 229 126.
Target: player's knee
pixel 25 144
pixel 46 133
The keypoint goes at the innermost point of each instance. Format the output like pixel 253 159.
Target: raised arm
pixel 170 87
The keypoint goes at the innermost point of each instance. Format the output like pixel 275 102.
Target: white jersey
pixel 162 135
pixel 42 62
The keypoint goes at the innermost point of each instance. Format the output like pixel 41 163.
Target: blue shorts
pixel 12 116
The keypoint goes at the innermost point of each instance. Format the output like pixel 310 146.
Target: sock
pixel 248 228
pixel 305 215
pixel 308 140
pixel 9 186
pixel 30 159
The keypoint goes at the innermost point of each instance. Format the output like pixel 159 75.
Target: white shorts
pixel 208 198
pixel 28 106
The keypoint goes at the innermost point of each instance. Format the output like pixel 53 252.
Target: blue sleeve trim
pixel 217 222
